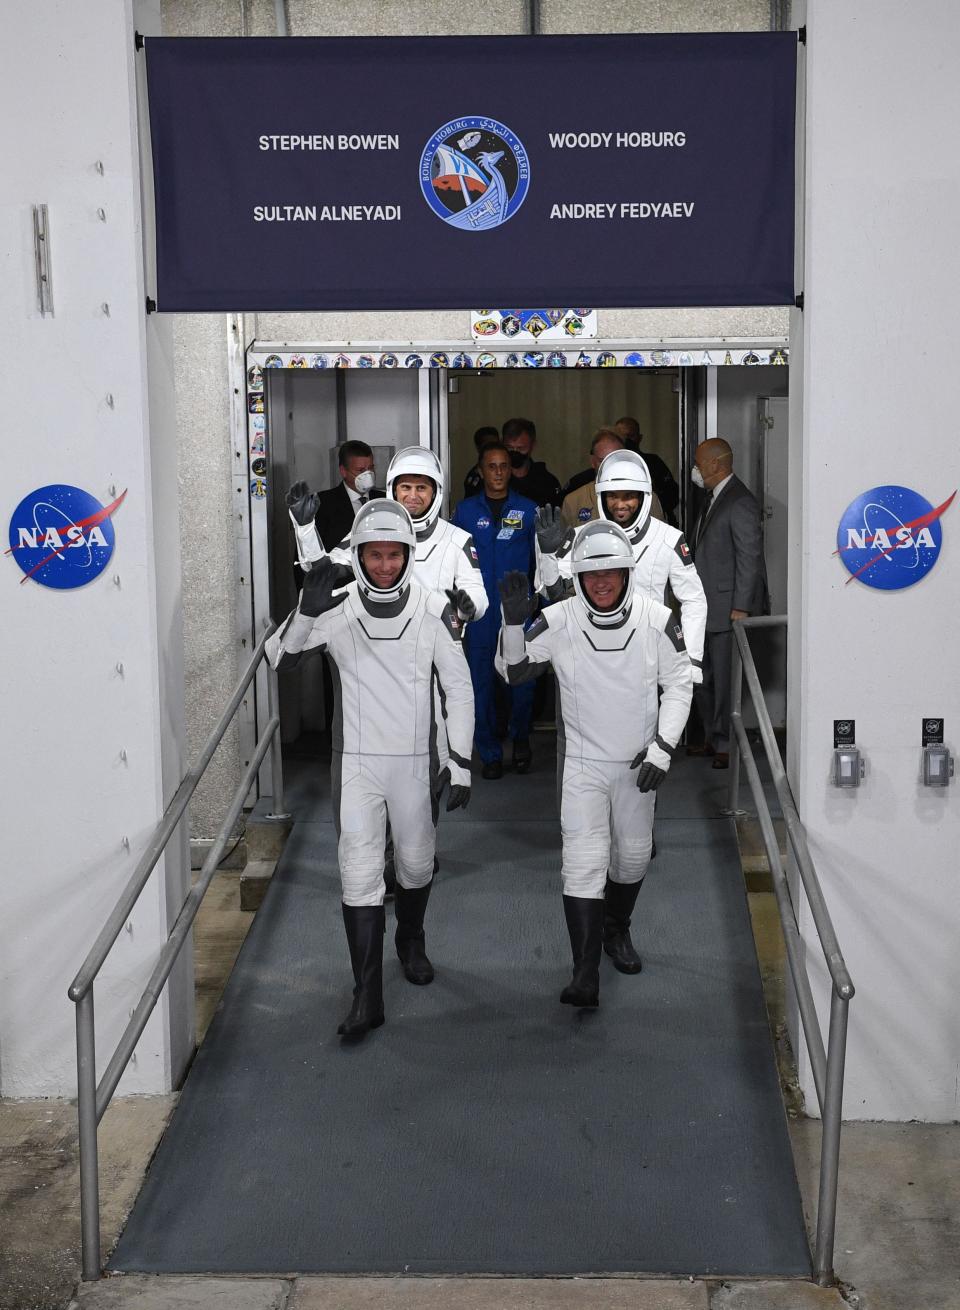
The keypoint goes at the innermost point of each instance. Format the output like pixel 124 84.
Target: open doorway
pixel 301 405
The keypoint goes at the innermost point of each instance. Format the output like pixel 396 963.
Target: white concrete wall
pixel 882 268
pixel 67 96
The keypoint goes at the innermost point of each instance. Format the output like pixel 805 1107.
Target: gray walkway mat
pixel 694 790
pixel 486 1128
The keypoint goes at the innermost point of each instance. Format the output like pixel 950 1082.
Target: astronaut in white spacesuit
pixel 388 639
pixel 446 562
pixel 610 647
pixel 446 559
pixel 664 562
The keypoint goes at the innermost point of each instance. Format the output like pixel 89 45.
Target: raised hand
pixel 515 597
pixel 551 530
pixel 462 603
pixel 324 588
pixel 303 503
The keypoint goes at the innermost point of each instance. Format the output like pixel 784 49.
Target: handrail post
pixel 276 749
pixel 87 1116
pixel 736 703
pixel 830 1141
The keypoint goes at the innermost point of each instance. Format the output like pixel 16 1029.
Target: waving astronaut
pixel 388 638
pixel 611 647
pixel 664 562
pixel 445 559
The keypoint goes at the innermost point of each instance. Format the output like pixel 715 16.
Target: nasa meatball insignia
pixel 61 536
pixel 890 537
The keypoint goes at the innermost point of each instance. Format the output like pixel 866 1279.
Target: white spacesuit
pixel 445 562
pixel 610 648
pixel 388 639
pixel 446 557
pixel 664 560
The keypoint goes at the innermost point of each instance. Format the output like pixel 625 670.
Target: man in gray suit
pixel 728 549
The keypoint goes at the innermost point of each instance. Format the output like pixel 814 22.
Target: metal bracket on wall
pixel 41 247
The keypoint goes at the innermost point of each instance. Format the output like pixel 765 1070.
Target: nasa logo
pixel 474 173
pixel 584 515
pixel 890 537
pixel 483 521
pixel 61 536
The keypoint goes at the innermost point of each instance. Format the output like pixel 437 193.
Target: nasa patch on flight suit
pixel 538 625
pixel 675 633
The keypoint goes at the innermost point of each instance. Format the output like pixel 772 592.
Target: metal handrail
pixel 827 1067
pixel 93 1097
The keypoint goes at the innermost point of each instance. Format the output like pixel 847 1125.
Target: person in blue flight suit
pixel 503 526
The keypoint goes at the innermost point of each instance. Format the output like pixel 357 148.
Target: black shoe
pixel 619 899
pixel 365 925
pixel 585 926
pixel 492 771
pixel 410 906
pixel 522 755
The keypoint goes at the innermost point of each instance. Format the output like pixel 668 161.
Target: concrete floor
pixel 898 1229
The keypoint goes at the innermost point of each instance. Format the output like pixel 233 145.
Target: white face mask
pixel 696 477
pixel 363 482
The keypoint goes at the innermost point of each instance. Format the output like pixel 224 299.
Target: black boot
pixel 585 926
pixel 619 899
pixel 365 925
pixel 410 906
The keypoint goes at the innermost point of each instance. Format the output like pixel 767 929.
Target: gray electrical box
pixel 937 765
pixel 848 766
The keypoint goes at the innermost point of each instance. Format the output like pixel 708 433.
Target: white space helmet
pixel 624 470
pixel 601 545
pixel 418 461
pixel 382 520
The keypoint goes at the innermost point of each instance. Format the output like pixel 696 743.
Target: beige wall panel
pixel 208 553
pixel 411 18
pixel 567 406
pixel 426 325
pixel 694 324
pixel 654 16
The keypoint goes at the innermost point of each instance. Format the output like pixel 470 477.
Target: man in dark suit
pixel 728 550
pixel 337 508
pixel 664 483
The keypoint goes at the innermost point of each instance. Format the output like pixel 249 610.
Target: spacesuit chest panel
pixel 652 570
pixel 384 671
pixel 609 695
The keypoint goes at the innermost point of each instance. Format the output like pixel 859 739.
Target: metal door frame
pixel 250 438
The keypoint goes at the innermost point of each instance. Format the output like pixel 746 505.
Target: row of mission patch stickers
pixel 514 359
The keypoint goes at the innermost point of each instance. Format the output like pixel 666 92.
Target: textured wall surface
pixel 209 554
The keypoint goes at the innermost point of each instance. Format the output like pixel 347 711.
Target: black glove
pixel 458 797
pixel 650 777
pixel 303 503
pixel 552 532
pixel 514 591
pixel 462 604
pixel 319 585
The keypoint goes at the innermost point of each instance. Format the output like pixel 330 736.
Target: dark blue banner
pixel 454 172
